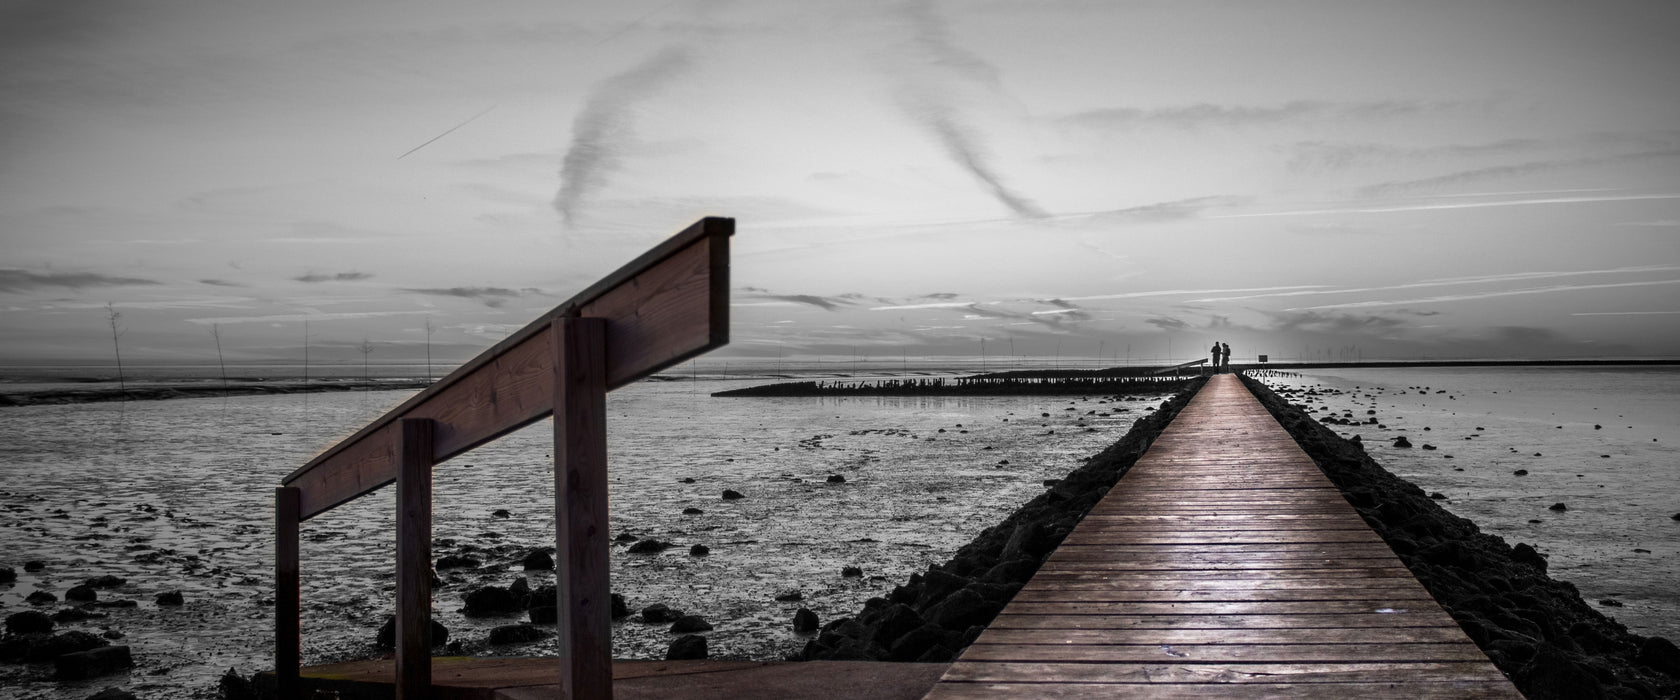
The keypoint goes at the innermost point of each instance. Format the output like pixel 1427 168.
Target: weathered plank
pixel 288 602
pixel 1225 653
pixel 1463 690
pixel 580 495
pixel 414 559
pixel 1169 672
pixel 662 308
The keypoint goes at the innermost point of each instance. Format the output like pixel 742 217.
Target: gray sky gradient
pixel 1419 179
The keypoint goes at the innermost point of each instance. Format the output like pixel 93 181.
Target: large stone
pixel 27 622
pixel 487 601
pixel 458 561
pixel 170 598
pixel 962 609
pixel 112 694
pixel 539 560
pixel 106 581
pixel 620 609
pixel 911 645
pixel 660 613
pixel 61 644
pixel 897 620
pixel 91 663
pixel 387 636
pixel 1660 654
pixel 804 621
pixel 687 647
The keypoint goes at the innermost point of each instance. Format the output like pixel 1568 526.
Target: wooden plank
pixel 1251 607
pixel 580 503
pixel 1227 636
pixel 288 603
pixel 1393 597
pixel 1422 618
pixel 414 560
pixel 1169 672
pixel 1465 690
pixel 662 308
pixel 1225 653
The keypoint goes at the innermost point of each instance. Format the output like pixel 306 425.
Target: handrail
pixel 510 385
pixel 1175 368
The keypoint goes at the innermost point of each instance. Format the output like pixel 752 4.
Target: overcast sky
pixel 1412 179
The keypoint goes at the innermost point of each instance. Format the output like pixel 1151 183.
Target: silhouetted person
pixel 1215 357
pixel 1224 357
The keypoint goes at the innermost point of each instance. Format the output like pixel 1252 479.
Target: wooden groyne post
pixel 667 306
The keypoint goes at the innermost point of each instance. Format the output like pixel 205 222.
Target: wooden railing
pixel 668 305
pixel 1175 368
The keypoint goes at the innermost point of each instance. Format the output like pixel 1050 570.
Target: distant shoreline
pixel 200 390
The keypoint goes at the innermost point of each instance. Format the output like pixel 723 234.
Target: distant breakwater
pixel 968 386
pixel 201 390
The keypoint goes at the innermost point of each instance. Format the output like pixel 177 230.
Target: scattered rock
pixel 1437 495
pixel 62 643
pixel 620 609
pixel 34 566
pixel 836 479
pixel 501 513
pixel 112 693
pixel 625 537
pixel 850 572
pixel 1610 603
pixel 236 687
pixel 790 596
pixel 804 620
pixel 40 598
pixel 690 623
pixel 1557 507
pixel 699 550
pixel 106 581
pixel 650 546
pixel 28 622
pixel 544 615
pixel 1660 654
pixel 687 480
pixel 1428 446
pixel 487 601
pixel 538 560
pixel 7 575
pixel 693 511
pixel 660 613
pixel 83 593
pixel 171 598
pixel 517 634
pixel 1525 554
pixel 1521 472
pixel 687 647
pixel 1402 442
pixel 75 615
pixel 730 495
pixel 386 638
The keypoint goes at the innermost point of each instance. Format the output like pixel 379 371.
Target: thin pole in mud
pixel 216 332
pixel 113 316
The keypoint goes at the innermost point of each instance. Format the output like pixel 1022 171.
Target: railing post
pixel 580 499
pixel 414 559
pixel 288 626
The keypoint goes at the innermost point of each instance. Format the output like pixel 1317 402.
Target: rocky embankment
pixel 1536 629
pixel 936 614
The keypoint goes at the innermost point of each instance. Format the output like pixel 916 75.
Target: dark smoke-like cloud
pixel 15 280
pixel 938 113
pixel 493 297
pixel 1167 323
pixel 601 130
pixel 314 277
pixel 220 283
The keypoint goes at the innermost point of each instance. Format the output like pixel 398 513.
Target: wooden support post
pixel 288 625
pixel 580 499
pixel 414 559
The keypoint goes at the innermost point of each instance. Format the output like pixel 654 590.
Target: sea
pixel 177 495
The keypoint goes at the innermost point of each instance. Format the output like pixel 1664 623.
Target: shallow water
pixel 1605 442
pixel 176 495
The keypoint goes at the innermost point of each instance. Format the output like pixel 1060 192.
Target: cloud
pixel 1167 324
pixel 1202 115
pixel 1177 292
pixel 1625 313
pixel 298 318
pixel 1319 156
pixel 602 129
pixel 16 280
pixel 314 277
pixel 1488 295
pixel 1432 206
pixel 1499 172
pixel 493 297
pixel 1175 210
pixel 932 106
pixel 824 303
pixel 220 283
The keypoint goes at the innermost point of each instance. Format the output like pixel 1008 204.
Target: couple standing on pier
pixel 1221 357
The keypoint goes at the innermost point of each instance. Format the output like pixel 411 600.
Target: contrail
pixel 446 133
pixel 633 24
pixel 939 114
pixel 598 132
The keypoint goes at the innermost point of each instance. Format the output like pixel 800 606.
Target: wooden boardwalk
pixel 1224 564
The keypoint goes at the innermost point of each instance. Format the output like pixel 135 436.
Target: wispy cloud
pixel 929 103
pixel 1507 171
pixel 493 297
pixel 1430 206
pixel 1204 114
pixel 1175 210
pixel 1182 292
pixel 1166 323
pixel 315 277
pixel 1625 313
pixel 16 280
pixel 220 283
pixel 1321 156
pixel 1448 282
pixel 299 318
pixel 602 130
pixel 1487 295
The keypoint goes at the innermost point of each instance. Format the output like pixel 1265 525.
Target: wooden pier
pixel 1224 564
